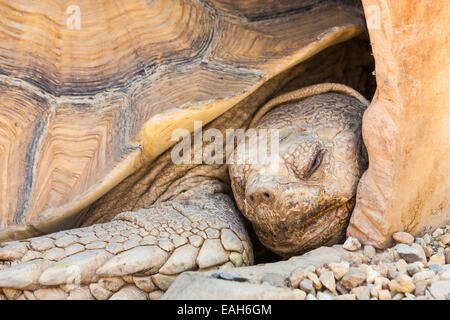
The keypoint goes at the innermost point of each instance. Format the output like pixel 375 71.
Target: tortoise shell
pixel 91 92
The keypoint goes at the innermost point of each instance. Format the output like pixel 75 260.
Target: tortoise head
pixel 303 197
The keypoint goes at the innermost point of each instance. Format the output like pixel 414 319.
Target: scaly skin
pixel 307 200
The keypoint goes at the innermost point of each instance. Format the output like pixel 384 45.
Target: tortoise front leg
pixel 135 256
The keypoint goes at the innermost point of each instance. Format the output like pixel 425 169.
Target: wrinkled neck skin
pixel 305 201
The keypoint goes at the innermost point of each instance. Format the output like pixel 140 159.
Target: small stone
pixel 11 294
pixel 324 296
pixel 421 286
pixel 369 251
pixel 346 297
pixel 411 253
pixel 384 295
pixel 307 286
pixel 352 244
pixel 438 232
pixel 423 275
pixel 445 239
pixel 427 238
pixel 398 296
pixel 315 280
pixel 310 297
pixel 382 283
pixel 383 257
pixel 444 275
pixel 401 266
pixel 428 251
pixel 437 259
pixel 327 279
pixel 436 268
pixel 274 279
pixel 361 293
pixel 299 294
pixel 371 275
pixel 80 294
pixel 403 237
pixel 339 269
pixel 402 283
pixel 414 268
pixel 440 290
pixel 353 278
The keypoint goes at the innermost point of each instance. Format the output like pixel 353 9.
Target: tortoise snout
pixel 258 195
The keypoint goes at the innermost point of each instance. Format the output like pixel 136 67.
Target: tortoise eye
pixel 315 163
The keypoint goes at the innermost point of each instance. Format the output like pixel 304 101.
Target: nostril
pixel 266 195
pixel 252 199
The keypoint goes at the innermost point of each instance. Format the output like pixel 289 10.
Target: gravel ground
pixel 413 269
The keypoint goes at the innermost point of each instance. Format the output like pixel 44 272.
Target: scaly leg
pixel 135 256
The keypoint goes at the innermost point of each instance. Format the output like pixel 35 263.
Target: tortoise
pixel 92 203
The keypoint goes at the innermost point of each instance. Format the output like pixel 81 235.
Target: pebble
pixel 403 237
pixel 353 278
pixel 361 293
pixel 307 286
pixel 310 297
pixel 352 244
pixel 414 267
pixel 437 259
pixel 384 295
pixel 345 297
pixel 339 269
pixel 328 281
pixel 411 253
pixel 402 283
pixel 369 251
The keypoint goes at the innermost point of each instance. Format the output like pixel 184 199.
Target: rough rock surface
pixel 334 273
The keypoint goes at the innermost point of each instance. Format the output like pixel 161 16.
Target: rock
pixel 328 281
pixel 346 297
pixel 300 294
pixel 403 237
pixel 274 279
pixel 315 280
pixel 371 275
pixel 440 290
pixel 11 294
pixel 411 253
pixel 310 297
pixel 361 293
pixel 437 259
pixel 445 239
pixel 401 266
pixel 384 295
pixel 369 251
pixel 402 284
pixel 382 257
pixel 421 286
pixel 353 278
pixel 398 296
pixel 423 275
pixel 352 244
pixel 211 254
pixel 414 268
pixel 296 277
pixel 438 232
pixel 339 269
pixel 428 251
pixel 129 293
pixel 436 268
pixel 307 286
pixel 324 296
pixel 444 275
pixel 382 283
